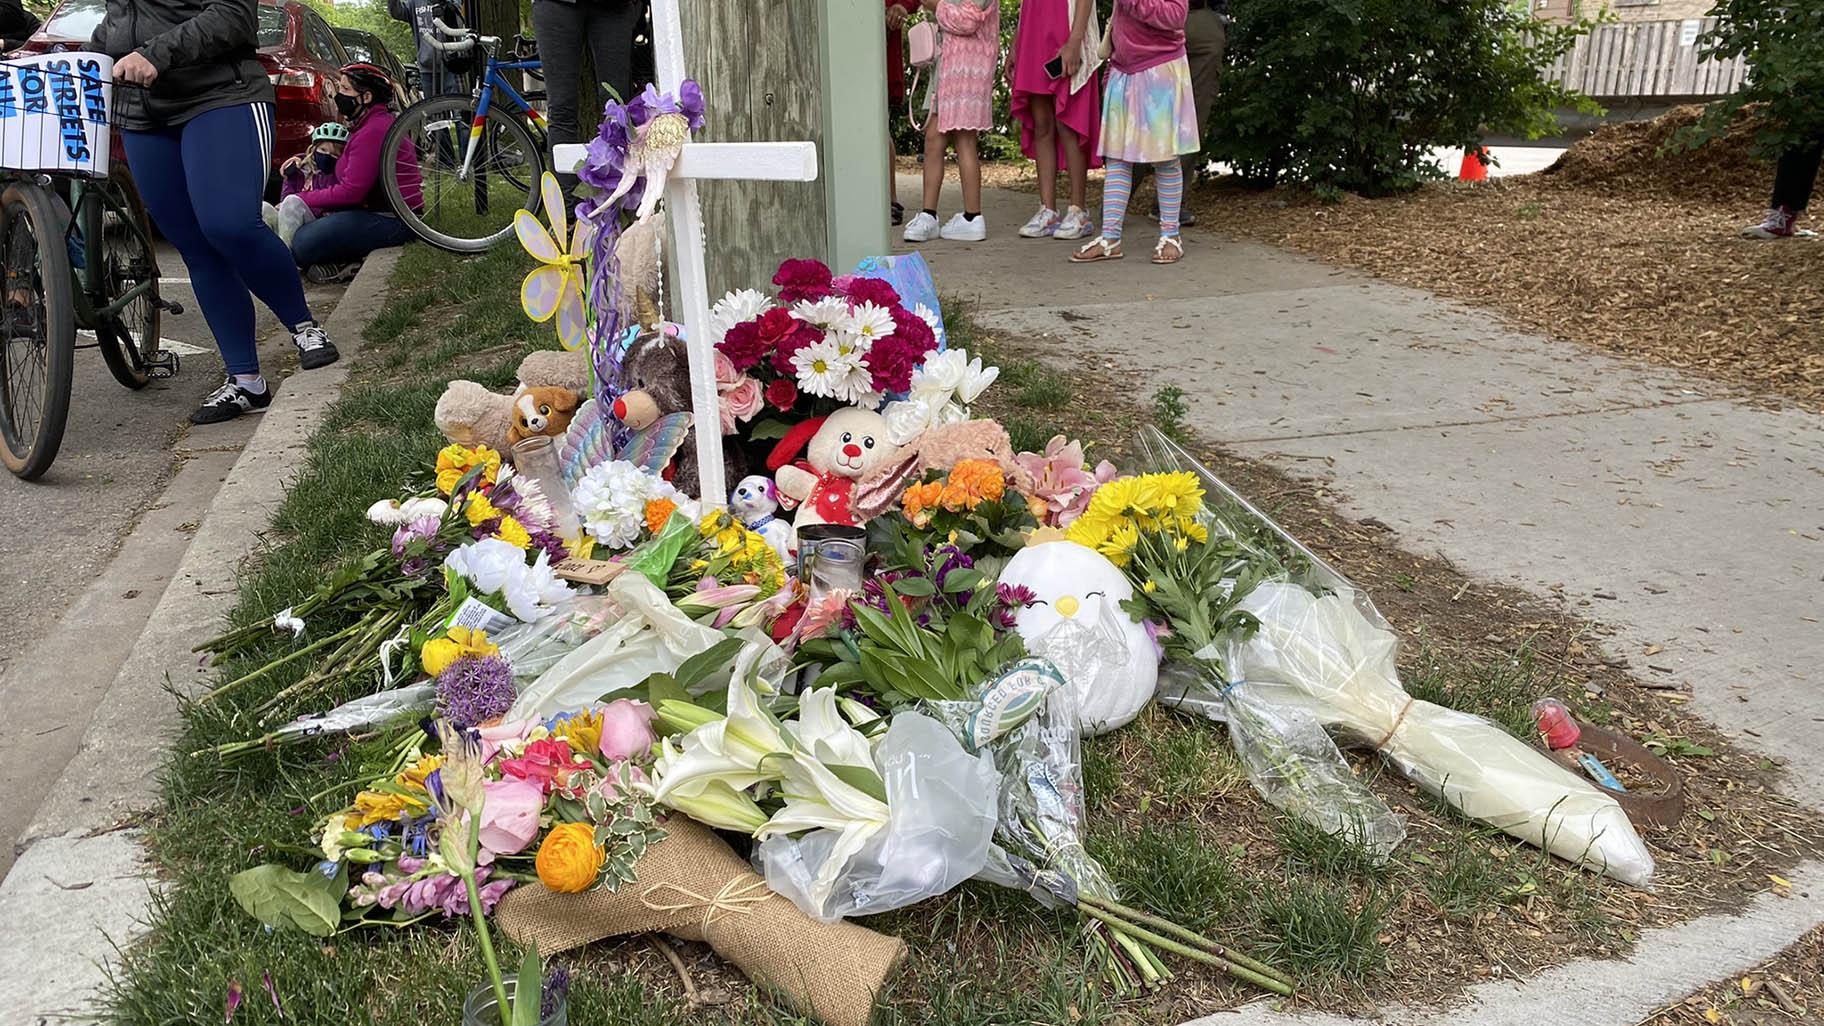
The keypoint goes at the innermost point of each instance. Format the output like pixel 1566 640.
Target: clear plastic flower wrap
pixel 533 648
pixel 942 803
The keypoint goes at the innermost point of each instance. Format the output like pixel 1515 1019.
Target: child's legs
pixel 934 163
pixel 1169 178
pixel 1076 164
pixel 969 169
pixel 1044 115
pixel 1117 186
pixel 226 160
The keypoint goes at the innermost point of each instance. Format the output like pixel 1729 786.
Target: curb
pixel 80 890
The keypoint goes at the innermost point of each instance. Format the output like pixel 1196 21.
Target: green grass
pixel 1171 814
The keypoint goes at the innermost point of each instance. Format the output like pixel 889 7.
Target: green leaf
pixel 768 430
pixel 526 997
pixel 280 897
pixel 699 667
pixel 917 587
pixel 958 581
pixel 861 779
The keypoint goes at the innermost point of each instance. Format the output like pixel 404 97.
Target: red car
pixel 298 48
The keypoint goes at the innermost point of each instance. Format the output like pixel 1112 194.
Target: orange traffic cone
pixel 1475 165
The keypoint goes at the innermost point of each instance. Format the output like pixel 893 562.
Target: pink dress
pixel 968 52
pixel 1044 26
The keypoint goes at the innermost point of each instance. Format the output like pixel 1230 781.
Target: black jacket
pixel 203 50
pixel 16 23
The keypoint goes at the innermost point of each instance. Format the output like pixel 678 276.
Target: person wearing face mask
pixel 354 216
pixel 194 109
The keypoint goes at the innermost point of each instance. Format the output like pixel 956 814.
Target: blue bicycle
pixel 477 163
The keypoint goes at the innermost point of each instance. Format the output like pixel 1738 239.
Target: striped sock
pixel 1117 186
pixel 1170 180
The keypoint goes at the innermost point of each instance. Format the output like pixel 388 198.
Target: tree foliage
pixel 1783 42
pixel 370 16
pixel 1352 94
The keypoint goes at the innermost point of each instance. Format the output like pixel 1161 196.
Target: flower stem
pixel 1188 936
pixel 1164 943
pixel 502 1005
pixel 276 663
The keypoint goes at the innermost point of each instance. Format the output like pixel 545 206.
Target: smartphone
pixel 1055 67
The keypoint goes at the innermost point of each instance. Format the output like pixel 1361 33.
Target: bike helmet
pixel 369 78
pixel 330 131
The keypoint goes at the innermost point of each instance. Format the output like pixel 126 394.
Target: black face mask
pixel 347 105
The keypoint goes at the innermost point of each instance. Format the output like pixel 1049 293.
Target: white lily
pixel 914 415
pixel 831 783
pixel 743 749
pixel 709 800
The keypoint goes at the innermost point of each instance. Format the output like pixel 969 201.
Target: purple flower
pixel 422 529
pixel 474 691
pixel 557 982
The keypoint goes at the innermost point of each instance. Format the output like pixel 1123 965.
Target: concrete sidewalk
pixel 1686 521
pixel 80 885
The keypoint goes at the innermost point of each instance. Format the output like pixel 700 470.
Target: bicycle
pixel 472 182
pixel 85 263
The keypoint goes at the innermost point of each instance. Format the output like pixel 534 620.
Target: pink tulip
pixel 626 730
pixel 509 814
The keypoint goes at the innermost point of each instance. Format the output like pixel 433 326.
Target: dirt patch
pixel 1740 830
pixel 1786 989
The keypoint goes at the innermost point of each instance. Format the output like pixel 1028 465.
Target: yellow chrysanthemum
pixel 1119 545
pixel 513 533
pixel 478 510
pixel 455 461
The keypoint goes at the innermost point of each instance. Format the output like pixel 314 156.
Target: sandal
pixel 1097 250
pixel 1160 256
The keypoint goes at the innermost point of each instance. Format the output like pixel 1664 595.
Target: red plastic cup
pixel 1556 723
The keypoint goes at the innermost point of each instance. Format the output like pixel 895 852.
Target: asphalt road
pixel 119 450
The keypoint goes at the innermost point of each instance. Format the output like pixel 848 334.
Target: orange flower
pixel 919 499
pixel 658 511
pixel 954 498
pixel 979 480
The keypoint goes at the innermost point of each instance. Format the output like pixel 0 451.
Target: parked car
pixel 297 46
pixel 365 46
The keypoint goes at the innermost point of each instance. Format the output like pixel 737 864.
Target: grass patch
pixel 1036 386
pixel 1324 931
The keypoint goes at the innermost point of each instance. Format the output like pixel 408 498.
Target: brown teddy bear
pixel 656 376
pixel 469 414
pixel 545 410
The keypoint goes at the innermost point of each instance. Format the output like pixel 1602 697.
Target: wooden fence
pixel 1647 59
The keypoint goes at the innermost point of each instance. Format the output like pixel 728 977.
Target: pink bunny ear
pixel 877 494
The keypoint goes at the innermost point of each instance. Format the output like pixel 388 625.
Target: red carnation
pixel 802 279
pixel 744 346
pixel 871 290
pixel 911 329
pixel 891 362
pixel 782 394
pixel 802 335
pixel 776 326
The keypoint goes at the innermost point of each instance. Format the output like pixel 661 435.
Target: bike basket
pixel 54 113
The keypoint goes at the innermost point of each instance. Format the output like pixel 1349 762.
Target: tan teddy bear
pixel 469 414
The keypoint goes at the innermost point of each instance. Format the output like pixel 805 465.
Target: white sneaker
pixel 961 229
pixel 1074 225
pixel 1041 225
pixel 922 228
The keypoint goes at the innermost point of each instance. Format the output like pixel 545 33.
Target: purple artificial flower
pixel 474 691
pixel 605 157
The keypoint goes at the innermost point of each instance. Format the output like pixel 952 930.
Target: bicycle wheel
pixel 466 211
pixel 38 328
pixel 130 338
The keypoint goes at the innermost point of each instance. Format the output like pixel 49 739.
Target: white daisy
pixel 870 321
pixel 826 313
pixel 848 343
pixel 823 368
pixel 734 308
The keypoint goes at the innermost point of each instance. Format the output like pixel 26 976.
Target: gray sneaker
pixel 1074 225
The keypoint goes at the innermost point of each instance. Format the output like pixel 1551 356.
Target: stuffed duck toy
pixel 1076 621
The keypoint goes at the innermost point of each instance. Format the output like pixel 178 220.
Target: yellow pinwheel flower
pixel 555 287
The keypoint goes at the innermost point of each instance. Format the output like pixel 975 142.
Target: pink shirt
pixel 1147 33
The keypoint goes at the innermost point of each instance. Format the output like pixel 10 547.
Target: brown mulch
pixel 1785 990
pixel 1739 830
pixel 1617 246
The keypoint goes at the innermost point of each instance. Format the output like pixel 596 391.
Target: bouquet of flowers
pixel 821 343
pixel 973 505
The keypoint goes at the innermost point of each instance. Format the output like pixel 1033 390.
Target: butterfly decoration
pixel 591 440
pixel 555 287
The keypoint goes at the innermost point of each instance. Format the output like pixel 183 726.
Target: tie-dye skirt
pixel 1150 116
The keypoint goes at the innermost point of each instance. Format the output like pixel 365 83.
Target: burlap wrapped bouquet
pixel 692 885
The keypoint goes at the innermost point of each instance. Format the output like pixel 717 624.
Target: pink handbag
pixel 921 44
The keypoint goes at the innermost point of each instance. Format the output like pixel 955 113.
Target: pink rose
pixel 626 730
pixel 726 374
pixel 509 814
pixel 740 402
pixel 500 735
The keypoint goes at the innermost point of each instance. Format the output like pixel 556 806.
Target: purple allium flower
pixel 474 691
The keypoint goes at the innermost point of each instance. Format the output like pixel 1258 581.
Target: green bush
pixel 370 16
pixel 1784 45
pixel 1351 94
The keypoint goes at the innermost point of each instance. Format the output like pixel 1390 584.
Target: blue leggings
pixel 203 182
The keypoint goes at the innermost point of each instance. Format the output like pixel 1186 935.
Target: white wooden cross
pixel 771 162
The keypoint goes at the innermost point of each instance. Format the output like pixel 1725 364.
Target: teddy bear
pixel 656 376
pixel 469 414
pixel 841 451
